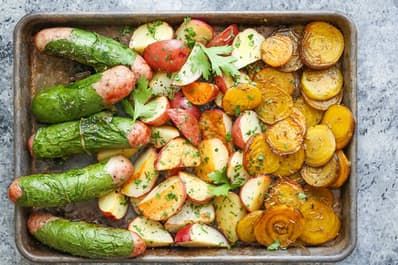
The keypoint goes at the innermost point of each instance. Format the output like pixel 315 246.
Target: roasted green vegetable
pixel 59 189
pixel 84 239
pixel 70 102
pixel 91 134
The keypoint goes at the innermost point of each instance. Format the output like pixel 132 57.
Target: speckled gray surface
pixel 377 108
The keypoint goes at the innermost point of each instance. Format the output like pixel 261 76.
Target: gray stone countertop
pixel 377 127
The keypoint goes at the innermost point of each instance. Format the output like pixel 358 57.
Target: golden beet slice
pixel 240 98
pixel 277 50
pixel 285 193
pixel 341 121
pixel 321 223
pixel 344 170
pixel 319 145
pixel 272 78
pixel 321 194
pixel 290 164
pixel 312 116
pixel 321 176
pixel 275 106
pixel 298 116
pixel 285 137
pixel 280 223
pixel 322 45
pixel 258 157
pixel 245 227
pixel 294 63
pixel 322 84
pixel 323 104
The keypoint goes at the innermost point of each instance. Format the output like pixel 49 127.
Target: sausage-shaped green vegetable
pixel 90 48
pixel 59 189
pixel 84 239
pixel 92 134
pixel 85 97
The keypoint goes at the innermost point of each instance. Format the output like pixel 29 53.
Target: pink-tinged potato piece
pixel 200 235
pixel 115 84
pixel 179 101
pixel 113 205
pixel 43 37
pixel 120 168
pixel 141 68
pixel 252 194
pixel 14 191
pixel 203 32
pixel 246 125
pixel 187 124
pixel 183 234
pixel 139 245
pixel 160 116
pixel 37 220
pixel 197 190
pixel 226 37
pixel 139 135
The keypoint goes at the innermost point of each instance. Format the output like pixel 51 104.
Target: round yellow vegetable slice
pixel 245 227
pixel 341 121
pixel 277 50
pixel 325 104
pixel 299 117
pixel 312 116
pixel 321 176
pixel 280 223
pixel 322 84
pixel 240 98
pixel 294 63
pixel 290 164
pixel 319 145
pixel 321 194
pixel 321 223
pixel 344 170
pixel 258 157
pixel 285 137
pixel 275 106
pixel 322 45
pixel 285 193
pixel 272 78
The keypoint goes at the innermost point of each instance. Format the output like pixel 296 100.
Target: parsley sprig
pixel 219 177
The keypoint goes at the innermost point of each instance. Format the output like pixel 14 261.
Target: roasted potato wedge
pixel 200 236
pixel 273 78
pixel 197 190
pixel 161 85
pixel 285 137
pixel 319 145
pixel 325 104
pixel 341 121
pixel 258 157
pixel 200 93
pixel 161 135
pixel 245 227
pixel 246 125
pixel 285 193
pixel 252 194
pixel 229 211
pixel 246 47
pixel 280 223
pixel 276 105
pixel 322 84
pixel 113 205
pixel 187 123
pixel 151 231
pixel 344 170
pixel 277 50
pixel 214 156
pixel 290 164
pixel 240 98
pixel 321 194
pixel 322 45
pixel 321 223
pixel 312 116
pixel 236 173
pixel 321 176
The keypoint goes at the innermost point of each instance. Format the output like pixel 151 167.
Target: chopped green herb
pixel 302 196
pixel 228 137
pixel 274 246
pixel 152 28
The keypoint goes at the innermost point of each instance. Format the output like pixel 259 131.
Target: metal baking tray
pixel 33 70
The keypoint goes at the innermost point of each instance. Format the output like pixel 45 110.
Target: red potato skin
pixel 162 119
pixel 139 135
pixel 174 172
pixel 187 124
pixel 166 55
pixel 183 235
pixel 220 83
pixel 139 245
pixel 115 84
pixel 141 68
pixel 226 37
pixel 179 101
pixel 237 134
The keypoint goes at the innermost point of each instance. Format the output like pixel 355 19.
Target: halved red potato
pixel 152 232
pixel 229 211
pixel 246 125
pixel 163 134
pixel 245 227
pixel 187 124
pixel 246 47
pixel 177 153
pixel 197 190
pixel 236 173
pixel 195 30
pixel 226 37
pixel 165 200
pixel 161 85
pixel 252 194
pixel 149 33
pixel 145 175
pixel 200 235
pixel 213 156
pixel 113 205
pixel 160 115
pixel 191 214
pixel 134 202
pixel 216 124
pixel 166 55
pixel 225 81
pixel 108 153
pixel 189 72
pixel 181 102
pixel 200 93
